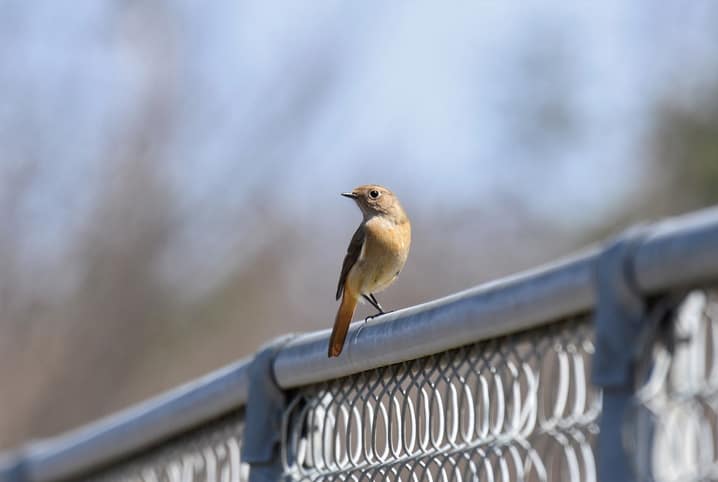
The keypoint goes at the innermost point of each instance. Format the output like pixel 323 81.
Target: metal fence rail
pixel 600 367
pixel 131 432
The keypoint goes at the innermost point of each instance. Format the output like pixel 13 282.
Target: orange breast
pixel 386 247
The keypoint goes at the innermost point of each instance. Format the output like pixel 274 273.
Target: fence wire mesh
pixel 673 436
pixel 207 454
pixel 517 407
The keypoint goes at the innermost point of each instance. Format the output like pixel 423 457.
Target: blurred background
pixel 170 170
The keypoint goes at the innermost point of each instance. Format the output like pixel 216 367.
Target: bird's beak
pixel 350 195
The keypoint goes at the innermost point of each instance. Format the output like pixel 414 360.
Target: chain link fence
pixel 517 407
pixel 673 433
pixel 514 402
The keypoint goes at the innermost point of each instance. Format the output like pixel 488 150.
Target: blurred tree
pixel 680 154
pixel 685 148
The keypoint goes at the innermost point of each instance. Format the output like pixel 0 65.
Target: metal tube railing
pixel 497 308
pixel 134 429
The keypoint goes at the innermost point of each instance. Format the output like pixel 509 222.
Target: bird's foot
pixel 371 317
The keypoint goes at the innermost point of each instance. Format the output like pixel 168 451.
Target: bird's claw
pixel 371 317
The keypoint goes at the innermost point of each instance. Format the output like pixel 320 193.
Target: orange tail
pixel 341 323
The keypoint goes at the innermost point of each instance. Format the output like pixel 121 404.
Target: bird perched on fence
pixel 376 255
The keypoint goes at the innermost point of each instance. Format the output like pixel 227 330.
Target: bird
pixel 376 255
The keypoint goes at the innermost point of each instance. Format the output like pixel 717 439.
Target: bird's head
pixel 375 200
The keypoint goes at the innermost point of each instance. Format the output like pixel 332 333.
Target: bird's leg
pixel 372 301
pixel 375 303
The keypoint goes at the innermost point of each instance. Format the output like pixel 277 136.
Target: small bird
pixel 376 255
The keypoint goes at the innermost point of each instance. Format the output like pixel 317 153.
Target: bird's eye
pixel 374 194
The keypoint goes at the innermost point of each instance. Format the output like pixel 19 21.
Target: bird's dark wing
pixel 353 252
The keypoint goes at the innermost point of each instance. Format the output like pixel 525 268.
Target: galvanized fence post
pixel 627 325
pixel 263 414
